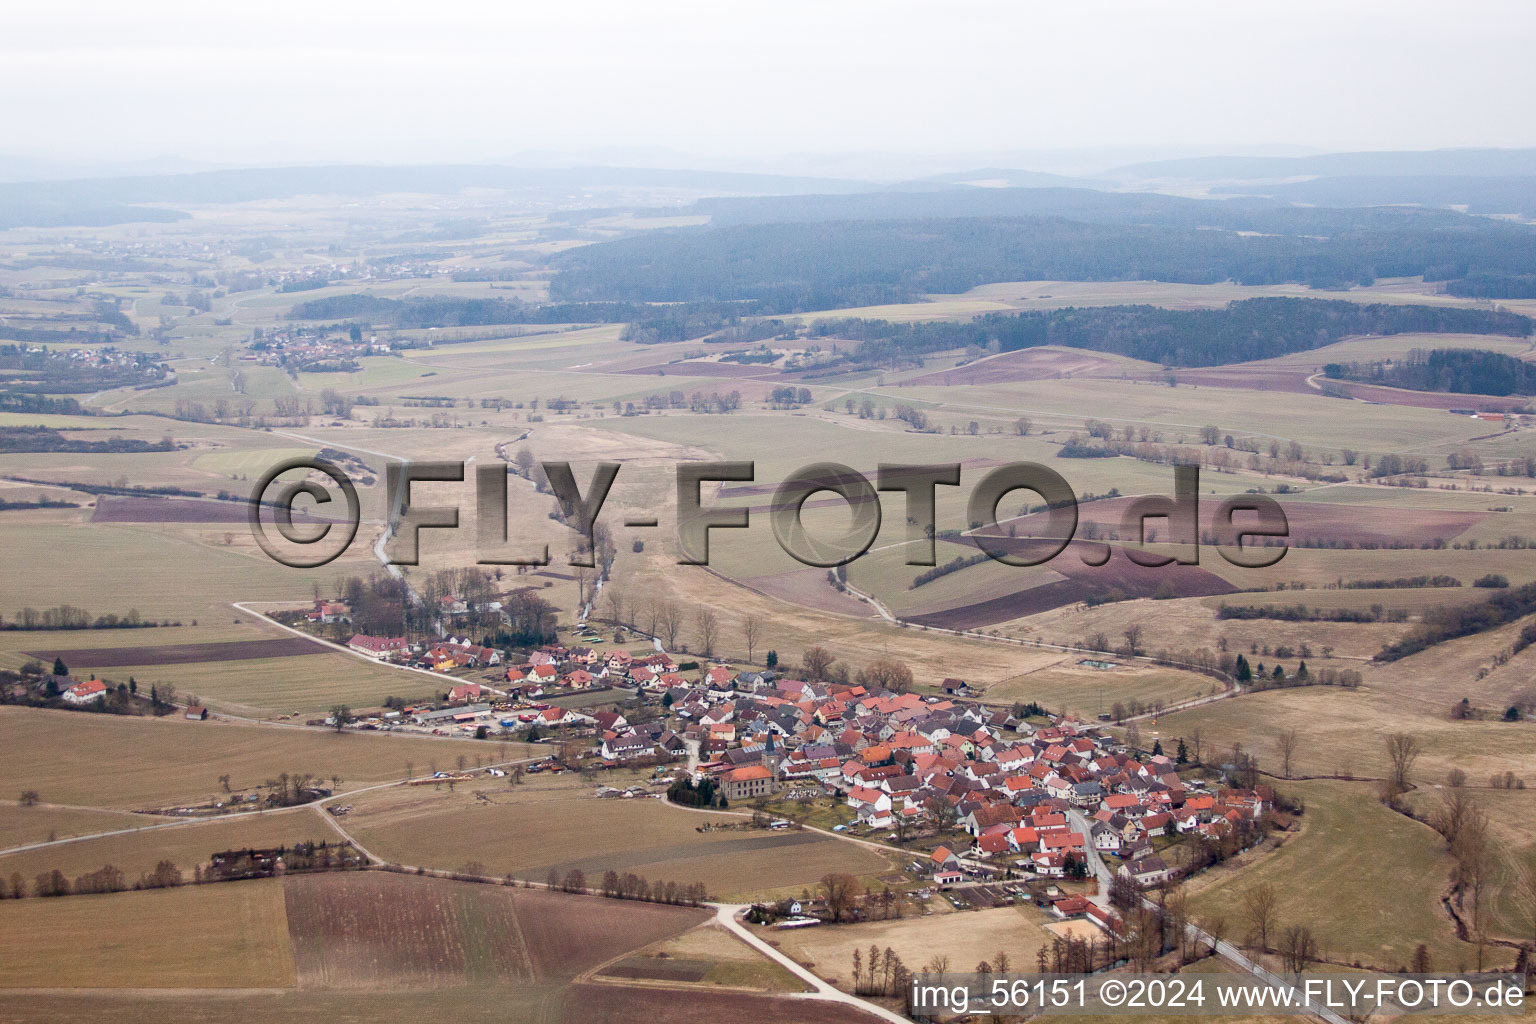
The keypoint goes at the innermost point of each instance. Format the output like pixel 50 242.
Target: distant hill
pixel 251 184
pixel 1460 162
pixel 1504 194
pixel 1002 177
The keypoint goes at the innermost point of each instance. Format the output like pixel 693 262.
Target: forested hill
pixel 835 264
pixel 1458 370
pixel 1245 330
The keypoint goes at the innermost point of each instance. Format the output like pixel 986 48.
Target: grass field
pixel 1094 691
pixel 556 823
pixel 136 763
pixel 1344 876
pixel 221 936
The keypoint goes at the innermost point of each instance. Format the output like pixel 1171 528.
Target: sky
pixel 746 84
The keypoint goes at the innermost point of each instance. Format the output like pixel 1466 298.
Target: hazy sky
pixel 373 81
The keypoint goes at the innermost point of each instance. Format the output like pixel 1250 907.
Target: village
pixel 990 803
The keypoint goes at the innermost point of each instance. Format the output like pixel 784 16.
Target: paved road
pixel 725 915
pixel 1225 950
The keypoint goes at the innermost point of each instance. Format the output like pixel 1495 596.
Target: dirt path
pixel 725 915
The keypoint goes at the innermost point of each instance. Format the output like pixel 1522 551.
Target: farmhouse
pixel 87 692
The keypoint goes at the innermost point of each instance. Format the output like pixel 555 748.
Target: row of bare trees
pixel 108 878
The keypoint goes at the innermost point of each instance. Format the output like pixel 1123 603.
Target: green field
pixel 1344 876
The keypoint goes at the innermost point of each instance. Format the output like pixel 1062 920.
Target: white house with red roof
pixel 87 692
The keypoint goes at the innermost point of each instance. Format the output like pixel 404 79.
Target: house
pixel 747 782
pixel 328 612
pixel 464 693
pixel 948 877
pixel 1071 906
pixel 861 798
pixel 610 721
pixel 1105 839
pixel 378 647
pixel 1150 870
pixel 87 692
pixel 627 748
pixel 557 716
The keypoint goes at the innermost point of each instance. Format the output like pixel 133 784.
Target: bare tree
pixel 816 663
pixel 1457 808
pixel 1402 752
pixel 669 619
pixel 1216 929
pixel 1260 902
pixel 888 674
pixel 751 631
pixel 1298 948
pixel 1195 737
pixel 613 597
pixel 708 626
pixel 1133 634
pixel 839 891
pixel 1286 740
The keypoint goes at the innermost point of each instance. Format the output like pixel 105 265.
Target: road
pixel 726 917
pixel 1225 950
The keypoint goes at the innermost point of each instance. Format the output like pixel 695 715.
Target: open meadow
pixel 136 763
pixel 555 824
pixel 1342 876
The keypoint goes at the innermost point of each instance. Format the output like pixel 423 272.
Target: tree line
pixel 1458 370
pixel 1243 330
pixel 1442 624
pixel 797 267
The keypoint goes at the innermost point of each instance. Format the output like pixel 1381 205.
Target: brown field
pixel 556 823
pixel 22 826
pixel 708 956
pixel 808 588
pixel 1082 582
pixel 1310 523
pixel 1432 399
pixel 114 509
pixel 229 936
pixel 1044 363
pixel 617 1004
pixel 183 654
pixel 139 763
pixel 377 929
